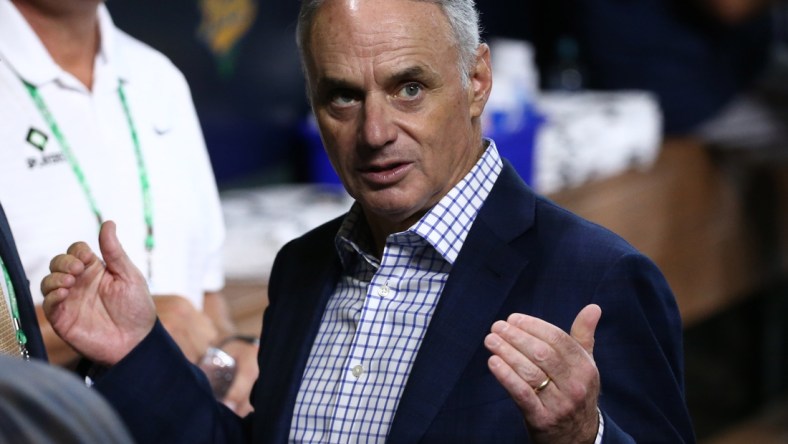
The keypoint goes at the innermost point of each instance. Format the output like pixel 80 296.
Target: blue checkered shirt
pixel 377 316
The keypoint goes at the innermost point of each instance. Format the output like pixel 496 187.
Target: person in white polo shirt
pixel 96 125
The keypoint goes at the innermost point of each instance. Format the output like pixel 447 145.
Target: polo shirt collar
pixel 109 55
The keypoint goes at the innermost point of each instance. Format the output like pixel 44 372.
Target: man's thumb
pixel 584 327
pixel 112 251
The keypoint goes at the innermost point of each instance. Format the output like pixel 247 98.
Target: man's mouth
pixel 385 174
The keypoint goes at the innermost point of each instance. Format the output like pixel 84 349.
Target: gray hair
pixel 462 16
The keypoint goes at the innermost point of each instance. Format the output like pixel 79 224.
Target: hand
pixel 190 328
pixel 245 355
pixel 527 351
pixel 102 309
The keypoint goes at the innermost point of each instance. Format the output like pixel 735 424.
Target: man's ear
pixel 480 81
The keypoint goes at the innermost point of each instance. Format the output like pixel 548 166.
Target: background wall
pixel 241 62
pixel 240 59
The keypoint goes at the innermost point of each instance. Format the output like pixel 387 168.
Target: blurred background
pixel 664 120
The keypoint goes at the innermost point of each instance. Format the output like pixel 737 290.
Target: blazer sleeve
pixel 162 397
pixel 639 354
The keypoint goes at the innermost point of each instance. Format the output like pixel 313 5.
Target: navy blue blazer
pixel 523 254
pixel 27 311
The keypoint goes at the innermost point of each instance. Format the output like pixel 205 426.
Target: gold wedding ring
pixel 542 386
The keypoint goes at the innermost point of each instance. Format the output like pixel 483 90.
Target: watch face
pixel 220 369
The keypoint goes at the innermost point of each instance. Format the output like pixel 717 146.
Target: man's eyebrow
pixel 416 72
pixel 410 73
pixel 332 84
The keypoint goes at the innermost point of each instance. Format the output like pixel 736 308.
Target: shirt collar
pixel 27 56
pixel 445 226
pixel 109 57
pixel 354 239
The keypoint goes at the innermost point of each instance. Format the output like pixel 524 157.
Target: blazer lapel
pixel 483 275
pixel 292 331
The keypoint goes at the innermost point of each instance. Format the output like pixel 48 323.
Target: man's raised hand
pixel 550 374
pixel 101 309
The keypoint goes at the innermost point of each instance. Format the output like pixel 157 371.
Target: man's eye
pixel 342 100
pixel 410 91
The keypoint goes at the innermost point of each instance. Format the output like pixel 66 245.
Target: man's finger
pixel 584 326
pixel 521 392
pixel 66 263
pixel 523 366
pixel 112 251
pixel 54 281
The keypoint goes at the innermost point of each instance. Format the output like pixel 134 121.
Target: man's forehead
pixel 385 35
pixel 355 5
pixel 386 12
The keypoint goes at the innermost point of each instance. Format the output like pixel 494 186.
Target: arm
pixel 106 313
pixel 192 330
pixel 244 353
pixel 170 401
pixel 639 352
pixel 635 351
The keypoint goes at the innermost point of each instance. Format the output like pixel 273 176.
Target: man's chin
pixel 399 213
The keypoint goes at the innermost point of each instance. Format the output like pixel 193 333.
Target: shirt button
pixel 384 290
pixel 357 370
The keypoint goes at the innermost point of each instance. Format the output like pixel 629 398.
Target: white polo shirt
pixel 45 204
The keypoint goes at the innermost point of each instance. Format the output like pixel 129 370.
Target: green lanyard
pixel 20 335
pixel 147 203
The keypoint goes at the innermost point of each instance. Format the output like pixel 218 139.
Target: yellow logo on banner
pixel 224 23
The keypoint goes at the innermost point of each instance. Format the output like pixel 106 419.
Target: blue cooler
pixel 515 138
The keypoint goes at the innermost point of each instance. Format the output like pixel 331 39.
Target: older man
pixel 386 324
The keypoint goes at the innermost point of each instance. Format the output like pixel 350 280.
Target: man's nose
pixel 377 125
